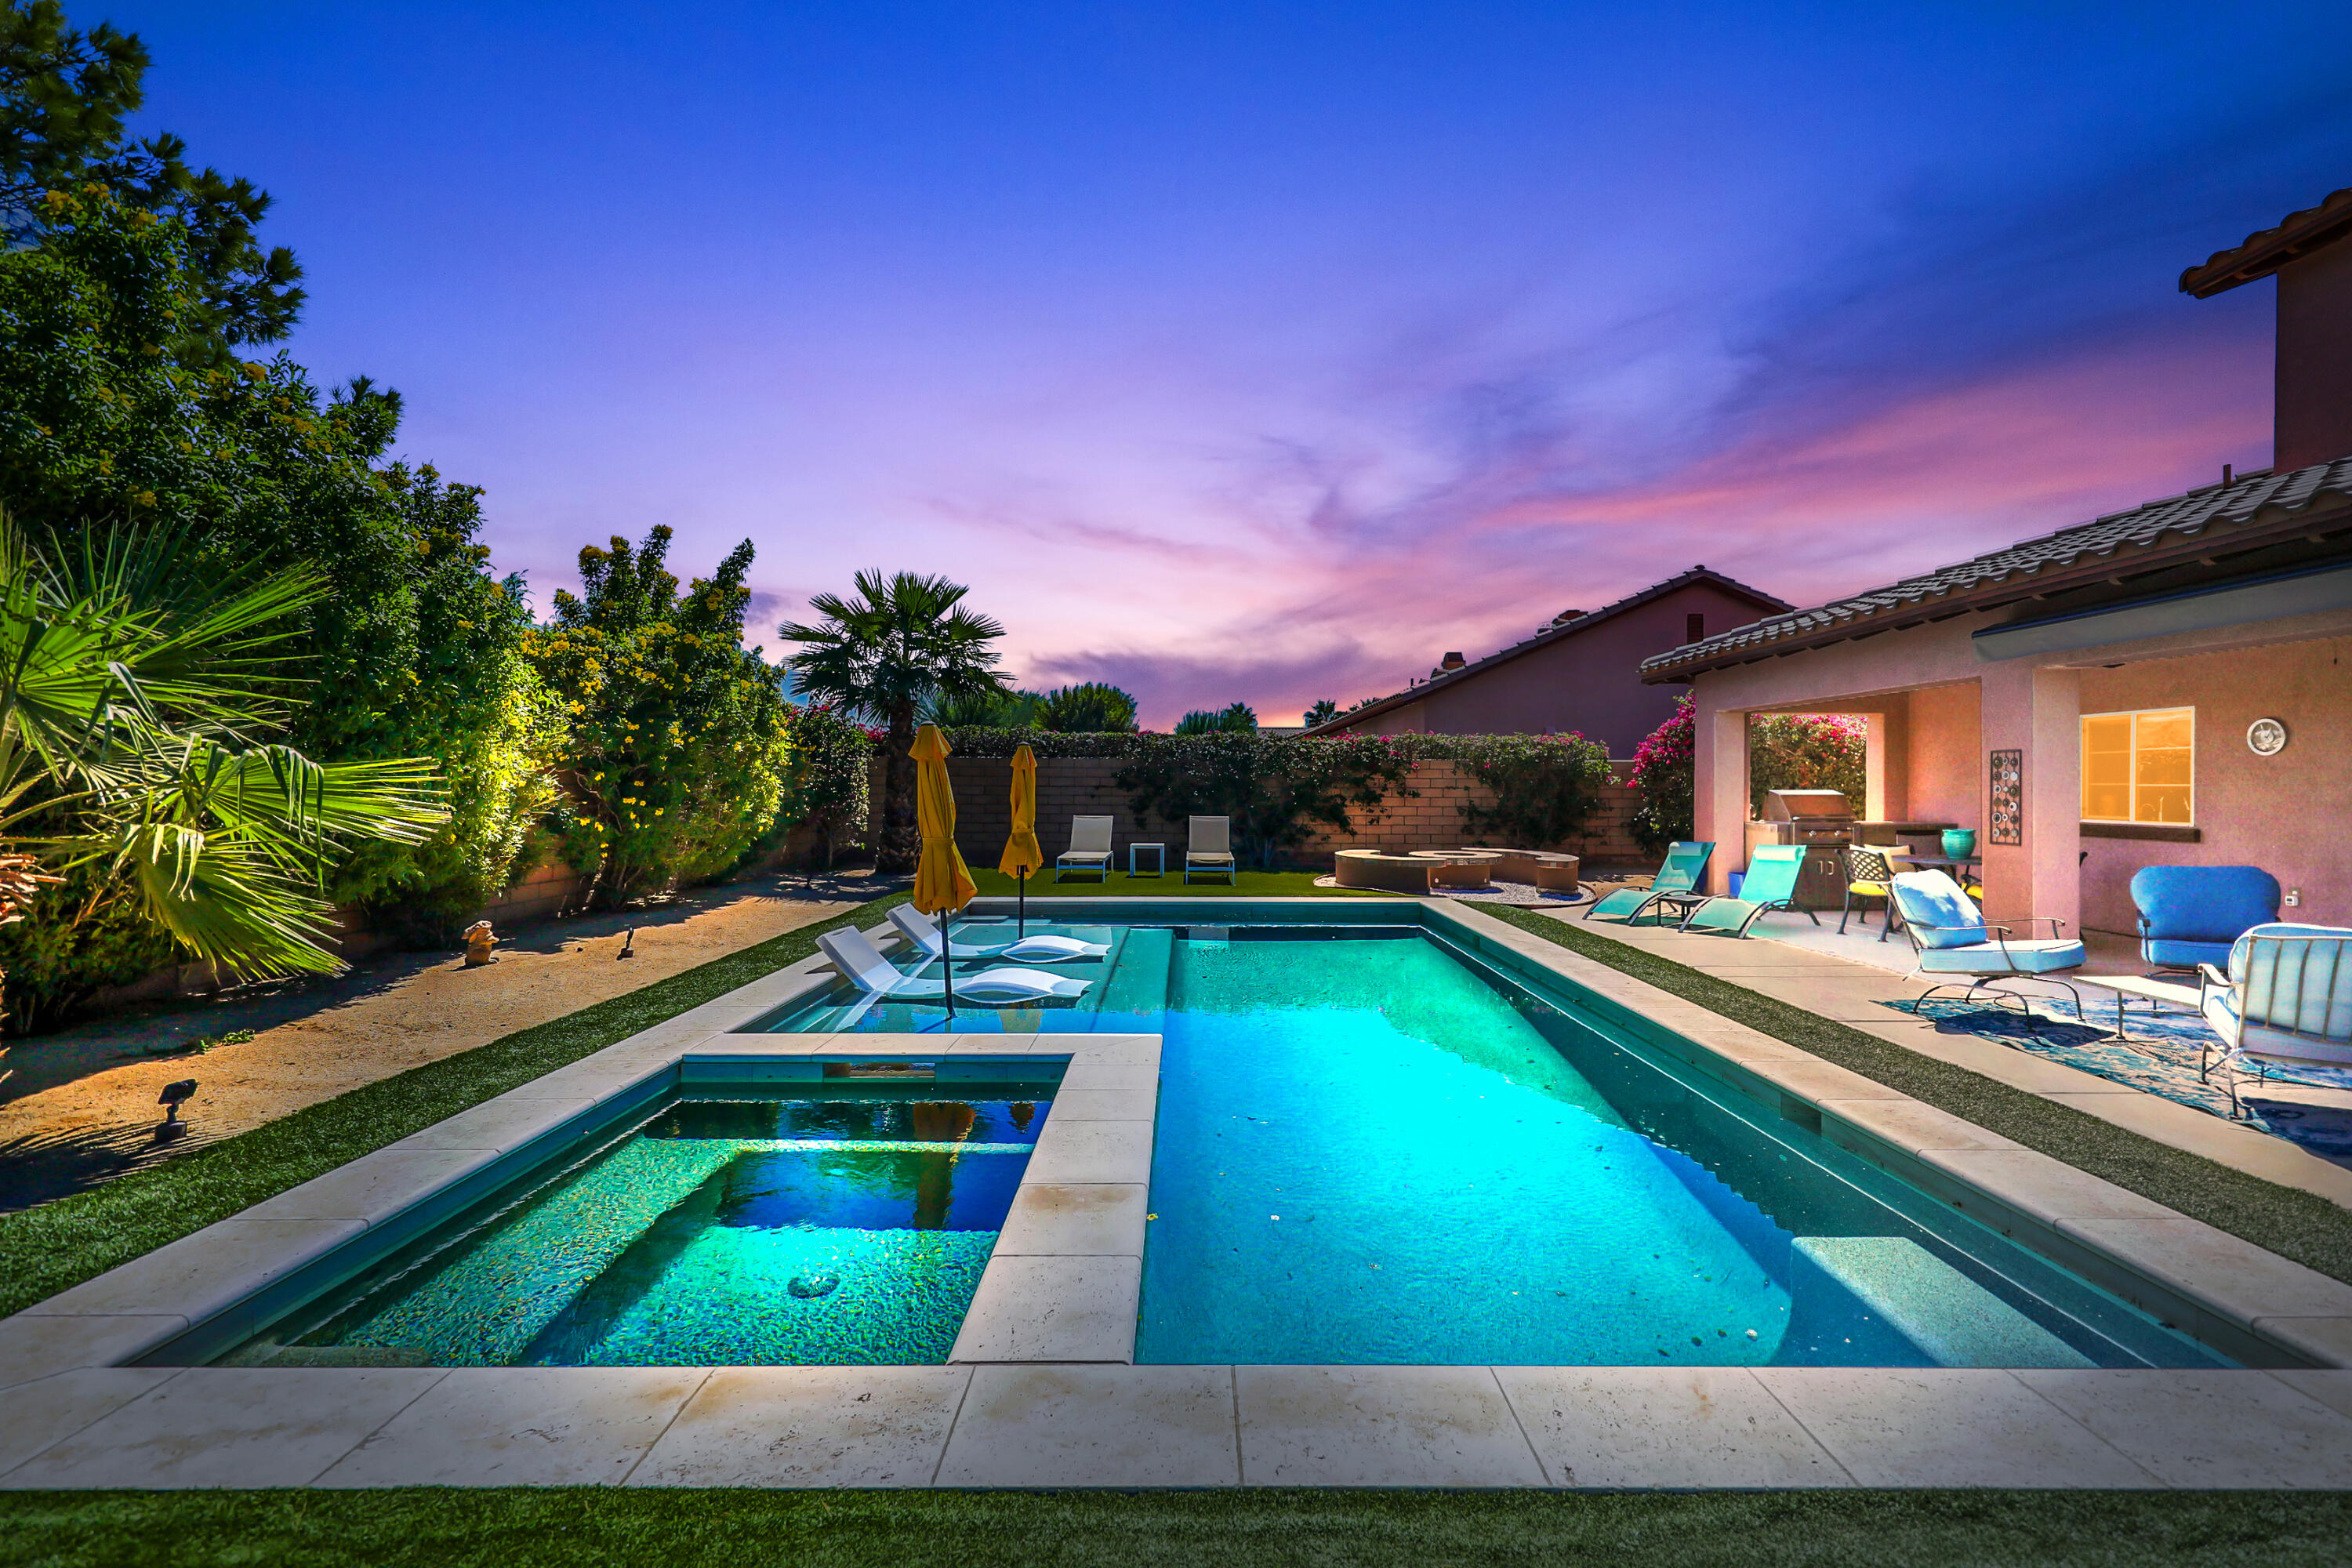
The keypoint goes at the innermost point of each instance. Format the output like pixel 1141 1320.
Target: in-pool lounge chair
pixel 924 933
pixel 1089 847
pixel 1685 863
pixel 2283 1007
pixel 1209 846
pixel 1950 936
pixel 854 953
pixel 2189 915
pixel 1770 884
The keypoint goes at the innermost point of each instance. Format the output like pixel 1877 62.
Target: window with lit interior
pixel 2140 767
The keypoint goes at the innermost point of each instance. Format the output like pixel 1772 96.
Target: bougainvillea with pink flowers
pixel 1785 750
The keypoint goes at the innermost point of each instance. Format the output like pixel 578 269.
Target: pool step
pixel 1914 1303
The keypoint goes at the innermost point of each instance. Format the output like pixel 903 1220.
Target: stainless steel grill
pixel 1821 820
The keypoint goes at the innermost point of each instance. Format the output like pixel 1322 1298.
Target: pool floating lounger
pixel 854 955
pixel 924 933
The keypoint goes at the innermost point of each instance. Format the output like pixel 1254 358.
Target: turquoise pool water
pixel 1369 1151
pixel 1373 1148
pixel 848 1227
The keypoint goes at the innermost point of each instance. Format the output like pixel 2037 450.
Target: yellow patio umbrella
pixel 1021 854
pixel 943 882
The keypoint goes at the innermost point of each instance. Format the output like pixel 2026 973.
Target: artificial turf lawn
pixel 2288 1221
pixel 46 1249
pixel 514 1528
pixel 1245 884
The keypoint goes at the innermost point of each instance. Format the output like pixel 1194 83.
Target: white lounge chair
pixel 854 953
pixel 924 933
pixel 1951 937
pixel 1210 847
pixel 1089 847
pixel 2284 1007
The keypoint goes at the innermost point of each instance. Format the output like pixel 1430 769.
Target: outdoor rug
pixel 2161 1059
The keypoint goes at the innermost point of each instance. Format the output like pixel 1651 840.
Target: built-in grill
pixel 1821 820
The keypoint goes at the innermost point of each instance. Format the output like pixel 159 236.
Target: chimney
pixel 1452 661
pixel 2312 395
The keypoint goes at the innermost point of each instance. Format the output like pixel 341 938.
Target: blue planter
pixel 1959 842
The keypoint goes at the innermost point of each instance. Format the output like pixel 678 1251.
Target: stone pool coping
pixel 1038 1391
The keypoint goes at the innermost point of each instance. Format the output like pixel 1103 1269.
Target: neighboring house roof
pixel 2262 254
pixel 2210 517
pixel 1551 633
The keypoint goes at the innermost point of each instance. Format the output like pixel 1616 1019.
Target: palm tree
pixel 138 699
pixel 903 644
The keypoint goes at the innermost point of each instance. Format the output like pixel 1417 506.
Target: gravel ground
pixel 79 1106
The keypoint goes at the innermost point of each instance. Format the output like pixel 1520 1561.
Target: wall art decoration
pixel 2008 797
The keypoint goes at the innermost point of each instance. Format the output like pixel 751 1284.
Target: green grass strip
pixel 46 1249
pixel 2292 1222
pixel 516 1528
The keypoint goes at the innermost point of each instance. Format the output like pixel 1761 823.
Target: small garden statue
pixel 479 940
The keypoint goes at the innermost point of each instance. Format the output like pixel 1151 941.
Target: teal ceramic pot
pixel 1959 843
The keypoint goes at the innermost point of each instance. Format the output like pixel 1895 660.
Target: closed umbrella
pixel 1021 854
pixel 942 883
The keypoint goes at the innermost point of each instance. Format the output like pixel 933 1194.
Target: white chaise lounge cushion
pixel 854 953
pixel 1043 948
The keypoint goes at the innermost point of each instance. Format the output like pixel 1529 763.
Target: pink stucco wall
pixel 2287 813
pixel 1947 709
pixel 1947 779
pixel 1589 682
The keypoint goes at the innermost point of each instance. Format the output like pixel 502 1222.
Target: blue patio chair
pixel 1770 884
pixel 1685 863
pixel 2189 915
pixel 1949 935
pixel 2284 1005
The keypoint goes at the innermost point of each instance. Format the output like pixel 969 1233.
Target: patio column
pixel 1719 792
pixel 2039 713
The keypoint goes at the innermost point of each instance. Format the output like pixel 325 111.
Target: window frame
pixel 2082 757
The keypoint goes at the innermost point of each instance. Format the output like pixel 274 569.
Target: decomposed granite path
pixel 79 1106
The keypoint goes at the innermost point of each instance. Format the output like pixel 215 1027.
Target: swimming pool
pixel 1373 1147
pixel 839 1224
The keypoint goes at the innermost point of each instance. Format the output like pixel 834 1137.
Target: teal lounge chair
pixel 1685 863
pixel 1770 884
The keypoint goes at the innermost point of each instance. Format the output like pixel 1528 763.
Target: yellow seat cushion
pixel 1867 890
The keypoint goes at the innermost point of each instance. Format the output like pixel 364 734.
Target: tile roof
pixel 1558 629
pixel 1947 589
pixel 2262 253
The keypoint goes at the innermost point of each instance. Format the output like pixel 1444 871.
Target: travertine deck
pixel 1039 1391
pixel 1851 992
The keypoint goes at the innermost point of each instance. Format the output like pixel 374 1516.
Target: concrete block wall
pixel 1430 818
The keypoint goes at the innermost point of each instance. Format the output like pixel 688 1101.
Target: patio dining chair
pixel 1209 847
pixel 1770 884
pixel 1869 870
pixel 1950 936
pixel 1089 847
pixel 2282 1007
pixel 1685 864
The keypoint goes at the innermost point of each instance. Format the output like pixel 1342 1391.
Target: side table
pixel 1159 859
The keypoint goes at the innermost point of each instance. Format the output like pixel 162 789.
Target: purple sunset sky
pixel 1268 351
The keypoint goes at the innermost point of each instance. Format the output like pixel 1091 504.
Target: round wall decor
pixel 2266 737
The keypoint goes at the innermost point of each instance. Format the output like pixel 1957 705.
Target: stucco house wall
pixel 1589 681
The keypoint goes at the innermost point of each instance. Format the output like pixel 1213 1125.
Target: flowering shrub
pixel 676 743
pixel 1278 789
pixel 1545 787
pixel 1806 751
pixel 1661 780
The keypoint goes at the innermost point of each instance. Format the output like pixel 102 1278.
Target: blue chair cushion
pixel 1992 958
pixel 2202 903
pixel 1938 913
pixel 2175 954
